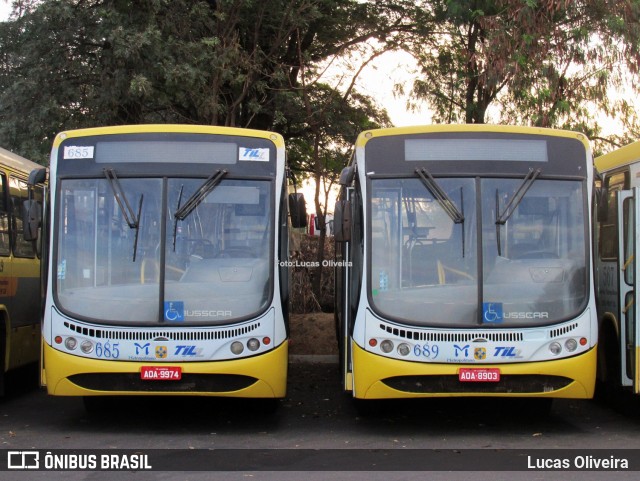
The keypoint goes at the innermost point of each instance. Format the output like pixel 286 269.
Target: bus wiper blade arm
pixel 175 220
pixel 513 203
pixel 441 196
pixel 130 217
pixel 198 196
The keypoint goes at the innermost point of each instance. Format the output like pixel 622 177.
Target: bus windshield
pixel 209 267
pixel 525 270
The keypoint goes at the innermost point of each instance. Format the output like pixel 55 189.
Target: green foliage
pixel 77 63
pixel 539 62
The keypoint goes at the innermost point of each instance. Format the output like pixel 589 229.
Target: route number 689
pixel 428 351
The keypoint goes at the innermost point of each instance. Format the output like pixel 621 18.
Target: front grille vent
pixel 132 335
pixel 511 384
pixel 452 336
pixel 561 331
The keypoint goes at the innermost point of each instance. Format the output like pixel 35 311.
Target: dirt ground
pixel 313 334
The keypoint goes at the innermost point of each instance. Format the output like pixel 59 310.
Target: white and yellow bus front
pixel 477 277
pixel 164 275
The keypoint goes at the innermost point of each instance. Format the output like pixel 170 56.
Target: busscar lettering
pixel 526 315
pixel 207 313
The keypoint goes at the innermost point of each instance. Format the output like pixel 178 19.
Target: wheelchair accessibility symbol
pixel 174 311
pixel 492 312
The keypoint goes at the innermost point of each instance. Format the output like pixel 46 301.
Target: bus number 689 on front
pixel 426 350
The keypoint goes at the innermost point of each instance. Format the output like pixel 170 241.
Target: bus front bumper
pixel 263 376
pixel 378 377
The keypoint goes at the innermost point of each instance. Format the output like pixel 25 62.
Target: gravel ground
pixel 313 334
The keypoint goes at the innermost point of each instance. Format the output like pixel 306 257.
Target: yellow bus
pixel 19 269
pixel 463 264
pixel 616 253
pixel 168 270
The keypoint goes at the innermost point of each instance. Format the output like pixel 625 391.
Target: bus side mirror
pixel 347 175
pixel 37 176
pixel 31 220
pixel 297 210
pixel 342 221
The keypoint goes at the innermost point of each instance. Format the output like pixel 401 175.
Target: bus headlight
pixel 253 344
pixel 571 345
pixel 404 349
pixel 237 347
pixel 386 346
pixel 70 343
pixel 555 348
pixel 86 346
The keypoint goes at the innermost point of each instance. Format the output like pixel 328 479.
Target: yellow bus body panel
pixel 25 346
pixel 276 138
pixel 636 377
pixel 270 369
pixel 367 135
pixel 370 369
pixel 619 157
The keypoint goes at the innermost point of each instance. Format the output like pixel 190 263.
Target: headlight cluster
pixel 387 346
pixel 237 347
pixel 71 343
pixel 570 345
pixel 252 345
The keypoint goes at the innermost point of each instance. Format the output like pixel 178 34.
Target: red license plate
pixel 160 373
pixel 479 375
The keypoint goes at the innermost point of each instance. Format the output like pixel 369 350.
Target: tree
pixel 219 62
pixel 541 62
pixel 243 63
pixel 331 123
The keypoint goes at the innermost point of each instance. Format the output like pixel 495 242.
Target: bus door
pixel 342 236
pixel 629 242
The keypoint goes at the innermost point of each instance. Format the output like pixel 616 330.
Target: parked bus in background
pixel 616 252
pixel 464 266
pixel 19 268
pixel 167 271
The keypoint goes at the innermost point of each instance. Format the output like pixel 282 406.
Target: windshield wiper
pixel 175 220
pixel 444 200
pixel 130 218
pixel 441 196
pixel 195 200
pixel 198 196
pixel 501 219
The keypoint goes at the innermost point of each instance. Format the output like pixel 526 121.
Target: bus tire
pixel 95 405
pixel 608 387
pixel 538 408
pixel 367 408
pixel 260 406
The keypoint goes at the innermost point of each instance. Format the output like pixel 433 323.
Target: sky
pixel 378 82
pixel 5 9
